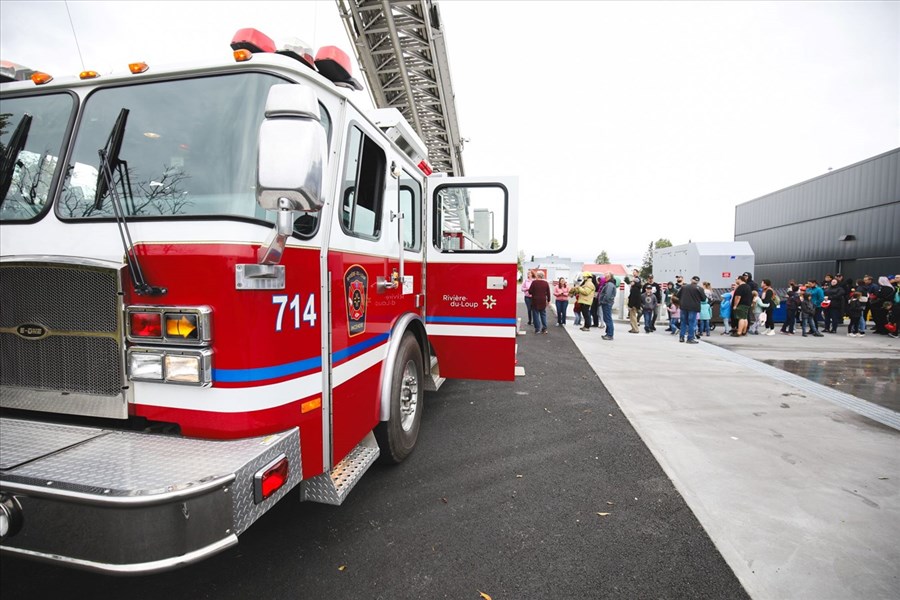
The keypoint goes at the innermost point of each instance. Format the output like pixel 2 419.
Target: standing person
pixel 648 309
pixel 768 299
pixel 817 295
pixel 808 316
pixel 882 305
pixel 725 310
pixel 584 293
pixel 689 299
pixel 854 311
pixel 606 299
pixel 526 287
pixel 740 304
pixel 759 314
pixel 561 293
pixel 635 304
pixel 792 306
pixel 636 276
pixel 596 318
pixel 748 277
pixel 863 288
pixel 705 315
pixel 835 315
pixel 674 316
pixel 656 292
pixel 540 298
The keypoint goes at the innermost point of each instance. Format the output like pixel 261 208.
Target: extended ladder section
pixel 402 53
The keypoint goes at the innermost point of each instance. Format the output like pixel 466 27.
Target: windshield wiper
pixel 109 161
pixel 11 155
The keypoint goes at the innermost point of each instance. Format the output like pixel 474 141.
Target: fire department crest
pixel 356 282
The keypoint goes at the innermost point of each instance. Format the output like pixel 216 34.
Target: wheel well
pixel 413 324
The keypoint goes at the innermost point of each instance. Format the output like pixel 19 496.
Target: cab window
pixel 362 192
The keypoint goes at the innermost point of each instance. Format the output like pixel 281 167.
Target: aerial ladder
pixel 402 53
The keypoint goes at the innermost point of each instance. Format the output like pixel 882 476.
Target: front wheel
pixel 397 436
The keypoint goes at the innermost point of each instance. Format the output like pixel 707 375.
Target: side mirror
pixel 292 151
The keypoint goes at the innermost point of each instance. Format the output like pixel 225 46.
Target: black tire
pixel 397 436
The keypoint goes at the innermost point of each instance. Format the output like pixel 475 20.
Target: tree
pixel 519 263
pixel 647 265
pixel 602 258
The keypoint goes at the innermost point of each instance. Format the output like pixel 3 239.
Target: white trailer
pixel 716 262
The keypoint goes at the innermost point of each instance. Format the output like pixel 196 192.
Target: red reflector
pixel 425 167
pixel 146 324
pixel 274 477
pixel 252 40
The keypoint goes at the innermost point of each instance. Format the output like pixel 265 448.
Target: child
pixel 759 313
pixel 854 310
pixel 674 316
pixel 705 310
pixel 725 310
pixel 808 316
pixel 648 305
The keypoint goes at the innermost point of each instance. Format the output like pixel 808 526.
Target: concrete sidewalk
pixel 800 493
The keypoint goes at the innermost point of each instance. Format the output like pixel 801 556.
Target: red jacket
pixel 540 294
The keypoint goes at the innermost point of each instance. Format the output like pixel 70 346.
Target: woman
pixel 584 293
pixel 526 286
pixel 561 293
pixel 705 310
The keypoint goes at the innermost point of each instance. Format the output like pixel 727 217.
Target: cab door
pixel 471 283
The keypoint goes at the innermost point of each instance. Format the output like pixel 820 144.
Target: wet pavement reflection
pixel 872 379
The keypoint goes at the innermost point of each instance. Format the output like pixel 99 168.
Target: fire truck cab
pixel 220 282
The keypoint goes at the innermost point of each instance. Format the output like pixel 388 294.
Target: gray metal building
pixel 846 221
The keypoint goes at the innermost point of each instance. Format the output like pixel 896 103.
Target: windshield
pixel 35 165
pixel 189 149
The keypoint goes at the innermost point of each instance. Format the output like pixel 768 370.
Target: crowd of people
pixel 747 308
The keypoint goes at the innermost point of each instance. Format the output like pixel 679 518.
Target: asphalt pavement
pixel 536 489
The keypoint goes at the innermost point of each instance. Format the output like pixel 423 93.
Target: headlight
pixel 191 367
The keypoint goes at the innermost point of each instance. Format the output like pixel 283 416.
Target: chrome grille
pixel 80 307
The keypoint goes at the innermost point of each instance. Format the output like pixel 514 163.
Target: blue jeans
pixel 689 323
pixel 528 308
pixel 607 318
pixel 809 320
pixel 703 327
pixel 561 307
pixel 540 319
pixel 648 320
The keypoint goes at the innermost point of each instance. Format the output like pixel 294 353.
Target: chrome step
pixel 333 487
pixel 434 383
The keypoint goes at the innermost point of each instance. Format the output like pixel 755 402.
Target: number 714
pixel 309 311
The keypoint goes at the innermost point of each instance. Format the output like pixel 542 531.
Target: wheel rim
pixel 409 395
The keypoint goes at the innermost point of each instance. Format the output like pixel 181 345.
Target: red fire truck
pixel 219 283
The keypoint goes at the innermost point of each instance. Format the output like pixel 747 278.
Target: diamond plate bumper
pixel 126 502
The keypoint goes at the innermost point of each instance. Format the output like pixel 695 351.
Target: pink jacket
pixel 526 286
pixel 561 293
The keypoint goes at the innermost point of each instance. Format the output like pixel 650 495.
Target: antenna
pixel 75 35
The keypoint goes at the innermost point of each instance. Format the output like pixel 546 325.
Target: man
pixel 689 299
pixel 656 292
pixel 818 295
pixel 634 304
pixel 636 276
pixel 748 278
pixel 606 299
pixel 540 298
pixel 740 305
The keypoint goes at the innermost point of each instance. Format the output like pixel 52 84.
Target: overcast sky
pixel 625 121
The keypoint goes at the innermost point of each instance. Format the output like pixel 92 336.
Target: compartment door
pixel 471 276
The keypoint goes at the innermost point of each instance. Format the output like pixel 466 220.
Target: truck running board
pixel 333 487
pixel 434 383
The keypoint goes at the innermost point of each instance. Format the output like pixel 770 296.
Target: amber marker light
pixel 310 405
pixel 138 67
pixel 89 75
pixel 242 55
pixel 41 78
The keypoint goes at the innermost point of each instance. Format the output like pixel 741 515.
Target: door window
pixel 471 218
pixel 363 189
